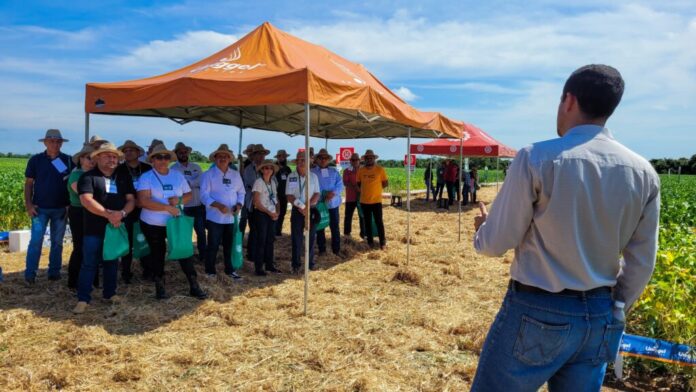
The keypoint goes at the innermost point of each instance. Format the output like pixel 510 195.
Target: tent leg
pixel 459 205
pixel 239 152
pixel 86 128
pixel 408 197
pixel 497 167
pixel 307 198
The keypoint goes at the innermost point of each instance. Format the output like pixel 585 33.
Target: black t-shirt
pixel 282 178
pixel 110 192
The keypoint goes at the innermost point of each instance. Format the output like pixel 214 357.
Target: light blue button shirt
pixel 224 188
pixel 330 181
pixel 570 207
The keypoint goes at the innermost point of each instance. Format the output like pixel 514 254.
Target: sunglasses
pixel 162 157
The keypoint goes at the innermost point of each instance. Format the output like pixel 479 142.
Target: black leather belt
pixel 523 288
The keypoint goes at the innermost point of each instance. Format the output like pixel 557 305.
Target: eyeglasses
pixel 161 157
pixel 266 168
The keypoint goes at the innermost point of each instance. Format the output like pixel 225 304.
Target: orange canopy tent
pixel 274 81
pixel 263 81
pixel 474 143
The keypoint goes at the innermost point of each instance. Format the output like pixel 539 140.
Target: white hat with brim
pixel 106 147
pixel 53 134
pixel 270 163
pixel 131 144
pixel 160 149
pixel 86 150
pixel 223 149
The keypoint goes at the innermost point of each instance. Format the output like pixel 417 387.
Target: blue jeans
pixel 58 220
pixel 1 277
pixel 335 233
pixel 198 215
pixel 92 255
pixel 566 340
pixel 297 224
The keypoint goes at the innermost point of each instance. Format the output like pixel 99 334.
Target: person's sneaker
pixel 54 278
pixel 235 276
pixel 260 273
pixel 80 307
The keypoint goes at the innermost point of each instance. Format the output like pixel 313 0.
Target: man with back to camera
pixel 570 207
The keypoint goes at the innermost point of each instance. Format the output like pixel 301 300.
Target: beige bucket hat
pixel 86 150
pixel 106 147
pixel 270 163
pixel 53 134
pixel 131 144
pixel 160 149
pixel 223 149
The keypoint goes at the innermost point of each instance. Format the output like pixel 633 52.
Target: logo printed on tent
pixel 466 136
pixel 420 148
pixel 453 148
pixel 488 149
pixel 229 64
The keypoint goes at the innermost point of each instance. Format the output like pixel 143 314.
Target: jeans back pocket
pixel 539 343
pixel 610 342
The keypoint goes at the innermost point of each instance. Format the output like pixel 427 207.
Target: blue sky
pixel 498 64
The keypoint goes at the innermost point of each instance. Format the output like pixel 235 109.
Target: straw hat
pixel 259 148
pixel 53 134
pixel 270 163
pixel 322 153
pixel 155 142
pixel 131 144
pixel 95 141
pixel 106 147
pixel 248 148
pixel 281 153
pixel 86 150
pixel 370 153
pixel 300 154
pixel 181 145
pixel 223 149
pixel 160 149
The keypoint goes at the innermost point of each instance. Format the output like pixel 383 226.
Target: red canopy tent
pixel 474 143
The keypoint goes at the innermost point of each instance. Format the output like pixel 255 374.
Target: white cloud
pixel 406 94
pixel 184 49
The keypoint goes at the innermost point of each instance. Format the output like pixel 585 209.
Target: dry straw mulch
pixel 374 323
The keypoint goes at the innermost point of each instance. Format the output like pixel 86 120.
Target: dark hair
pixel 598 89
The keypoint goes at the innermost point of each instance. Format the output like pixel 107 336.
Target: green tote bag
pixel 373 226
pixel 179 237
pixel 237 252
pixel 140 245
pixel 116 242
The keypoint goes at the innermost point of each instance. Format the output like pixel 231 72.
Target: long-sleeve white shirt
pixel 192 172
pixel 571 207
pixel 225 188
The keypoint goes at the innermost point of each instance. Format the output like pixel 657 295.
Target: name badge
pixel 187 172
pixel 227 181
pixel 110 186
pixel 59 165
pixel 292 180
pixel 324 173
pixel 135 183
pixel 283 177
pixel 167 187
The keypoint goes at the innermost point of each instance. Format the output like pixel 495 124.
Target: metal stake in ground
pixel 307 187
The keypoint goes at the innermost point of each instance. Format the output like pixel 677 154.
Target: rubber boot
pixel 195 290
pixel 160 293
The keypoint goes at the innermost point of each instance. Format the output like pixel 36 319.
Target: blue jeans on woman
pixel 92 247
pixel 57 217
pixel 565 339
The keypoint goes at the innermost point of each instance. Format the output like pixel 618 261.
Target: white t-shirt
pixel 296 186
pixel 268 193
pixel 161 188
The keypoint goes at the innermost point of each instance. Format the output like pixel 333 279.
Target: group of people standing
pixel 105 185
pixel 446 175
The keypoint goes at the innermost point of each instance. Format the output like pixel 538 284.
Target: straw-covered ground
pixel 374 323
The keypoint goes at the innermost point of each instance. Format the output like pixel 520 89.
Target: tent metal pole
pixel 459 205
pixel 308 206
pixel 239 152
pixel 86 128
pixel 408 197
pixel 497 166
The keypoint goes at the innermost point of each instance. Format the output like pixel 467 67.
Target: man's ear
pixel 569 103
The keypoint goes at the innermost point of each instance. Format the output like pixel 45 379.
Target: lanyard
pixel 299 179
pixel 160 181
pixel 271 195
